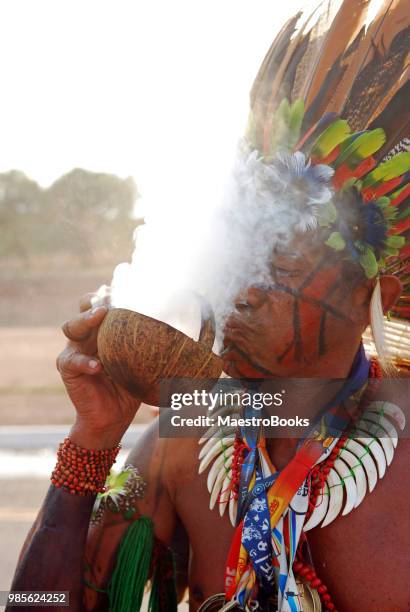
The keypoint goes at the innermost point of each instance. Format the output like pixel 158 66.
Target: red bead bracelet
pixel 82 471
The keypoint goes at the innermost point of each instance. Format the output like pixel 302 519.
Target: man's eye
pixel 286 273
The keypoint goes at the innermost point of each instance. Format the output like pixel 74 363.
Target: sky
pixel 153 89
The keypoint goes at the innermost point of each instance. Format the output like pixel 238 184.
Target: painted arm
pixel 52 558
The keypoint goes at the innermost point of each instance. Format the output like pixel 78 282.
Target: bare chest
pixel 363 558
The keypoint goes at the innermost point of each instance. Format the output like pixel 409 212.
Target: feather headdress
pixel 331 105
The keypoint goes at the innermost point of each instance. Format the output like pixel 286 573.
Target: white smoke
pixel 222 254
pixel 163 275
pixel 265 205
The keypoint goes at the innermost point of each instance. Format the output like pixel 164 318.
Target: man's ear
pixel 360 305
pixel 391 290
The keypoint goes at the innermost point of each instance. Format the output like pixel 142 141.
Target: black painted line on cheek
pixel 298 295
pixel 296 342
pixel 310 300
pixel 309 279
pixel 322 330
pixel 312 274
pixel 321 336
pixel 252 363
pixel 282 356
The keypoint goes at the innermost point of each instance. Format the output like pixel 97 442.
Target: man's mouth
pixel 237 359
pixel 226 350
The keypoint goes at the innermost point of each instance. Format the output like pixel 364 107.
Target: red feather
pixel 402 196
pixel 328 159
pixel 344 173
pixel 401 227
pixel 405 251
pixel 375 192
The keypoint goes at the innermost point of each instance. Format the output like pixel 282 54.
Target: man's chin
pixel 229 367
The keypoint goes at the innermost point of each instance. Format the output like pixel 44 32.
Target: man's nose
pixel 252 298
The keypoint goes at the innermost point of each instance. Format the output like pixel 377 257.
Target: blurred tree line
pixel 84 215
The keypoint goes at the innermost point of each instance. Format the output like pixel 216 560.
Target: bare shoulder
pixel 164 458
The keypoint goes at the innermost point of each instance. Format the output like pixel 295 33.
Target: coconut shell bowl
pixel 139 352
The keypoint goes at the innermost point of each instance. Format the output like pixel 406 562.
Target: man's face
pixel 288 326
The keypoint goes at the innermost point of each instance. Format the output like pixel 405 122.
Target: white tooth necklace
pixel 337 486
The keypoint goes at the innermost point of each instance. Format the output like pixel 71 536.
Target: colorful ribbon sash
pixel 272 505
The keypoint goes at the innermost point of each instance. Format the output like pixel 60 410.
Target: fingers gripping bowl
pixel 137 352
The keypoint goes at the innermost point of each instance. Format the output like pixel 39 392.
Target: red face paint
pixel 282 327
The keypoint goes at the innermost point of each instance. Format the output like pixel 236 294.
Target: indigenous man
pixel 325 283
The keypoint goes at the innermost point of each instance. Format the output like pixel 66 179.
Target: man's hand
pixel 104 410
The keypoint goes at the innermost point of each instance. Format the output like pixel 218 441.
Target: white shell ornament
pixel 359 464
pixel 220 452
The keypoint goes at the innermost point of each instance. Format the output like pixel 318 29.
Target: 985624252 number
pixel 34 598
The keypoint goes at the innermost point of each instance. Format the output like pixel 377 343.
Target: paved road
pixel 30 437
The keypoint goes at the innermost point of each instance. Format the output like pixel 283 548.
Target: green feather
pixel 383 201
pixel 368 262
pixel 390 251
pixel 390 214
pixel 333 135
pixel 355 150
pixel 117 480
pixel 283 111
pixel 388 170
pixel 280 127
pixel 389 211
pixel 336 241
pixel 396 242
pixel 405 214
pixel 297 111
pixel 327 215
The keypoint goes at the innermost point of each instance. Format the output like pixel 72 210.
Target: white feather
pixel 377 326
